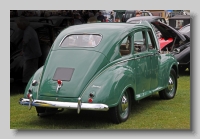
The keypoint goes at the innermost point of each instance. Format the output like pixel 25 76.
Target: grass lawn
pixel 149 113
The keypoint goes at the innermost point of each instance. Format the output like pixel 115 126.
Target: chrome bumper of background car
pixel 68 105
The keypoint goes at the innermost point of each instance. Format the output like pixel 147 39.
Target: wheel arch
pixel 131 91
pixel 175 67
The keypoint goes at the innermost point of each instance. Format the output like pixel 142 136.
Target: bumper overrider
pixel 68 105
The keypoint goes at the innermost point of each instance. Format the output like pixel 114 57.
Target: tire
pixel 170 91
pixel 121 112
pixel 44 112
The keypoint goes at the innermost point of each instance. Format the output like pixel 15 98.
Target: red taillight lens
pixel 59 82
pixel 90 100
pixel 28 95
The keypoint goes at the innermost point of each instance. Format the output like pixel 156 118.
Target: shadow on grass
pixel 69 119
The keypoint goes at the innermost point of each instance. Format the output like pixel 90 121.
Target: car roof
pixel 111 33
pixel 101 28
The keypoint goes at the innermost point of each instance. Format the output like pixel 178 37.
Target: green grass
pixel 149 113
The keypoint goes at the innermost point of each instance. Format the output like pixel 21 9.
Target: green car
pixel 102 67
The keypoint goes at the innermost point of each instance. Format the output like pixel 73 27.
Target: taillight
pixel 59 82
pixel 90 100
pixel 29 95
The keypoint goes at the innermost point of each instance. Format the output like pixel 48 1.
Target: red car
pixel 164 42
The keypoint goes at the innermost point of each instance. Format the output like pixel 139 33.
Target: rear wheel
pixel 121 112
pixel 170 91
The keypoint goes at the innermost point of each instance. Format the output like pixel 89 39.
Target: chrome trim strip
pixel 132 59
pixel 68 105
pixel 63 39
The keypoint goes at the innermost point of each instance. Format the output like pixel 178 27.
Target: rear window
pixel 81 40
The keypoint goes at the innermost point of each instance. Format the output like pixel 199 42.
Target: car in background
pixel 170 40
pixel 132 13
pixel 177 12
pixel 178 21
pixel 184 56
pixel 146 13
pixel 102 67
pixel 149 19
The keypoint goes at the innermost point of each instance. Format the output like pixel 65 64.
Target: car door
pixel 154 59
pixel 142 63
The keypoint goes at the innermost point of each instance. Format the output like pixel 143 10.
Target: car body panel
pixel 83 71
pixel 185 30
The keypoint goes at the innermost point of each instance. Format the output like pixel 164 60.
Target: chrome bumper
pixel 68 105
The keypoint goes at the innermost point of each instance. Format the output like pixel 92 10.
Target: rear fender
pixel 30 87
pixel 108 87
pixel 165 72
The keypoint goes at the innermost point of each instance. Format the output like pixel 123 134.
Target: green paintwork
pixel 101 70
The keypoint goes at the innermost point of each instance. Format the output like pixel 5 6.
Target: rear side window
pixel 140 42
pixel 81 40
pixel 125 47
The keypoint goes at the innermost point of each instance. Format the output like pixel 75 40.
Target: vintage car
pixel 102 67
pixel 170 39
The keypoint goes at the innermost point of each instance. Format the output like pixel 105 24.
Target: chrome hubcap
pixel 124 103
pixel 170 84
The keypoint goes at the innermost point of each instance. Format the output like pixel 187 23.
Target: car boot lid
pixel 167 31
